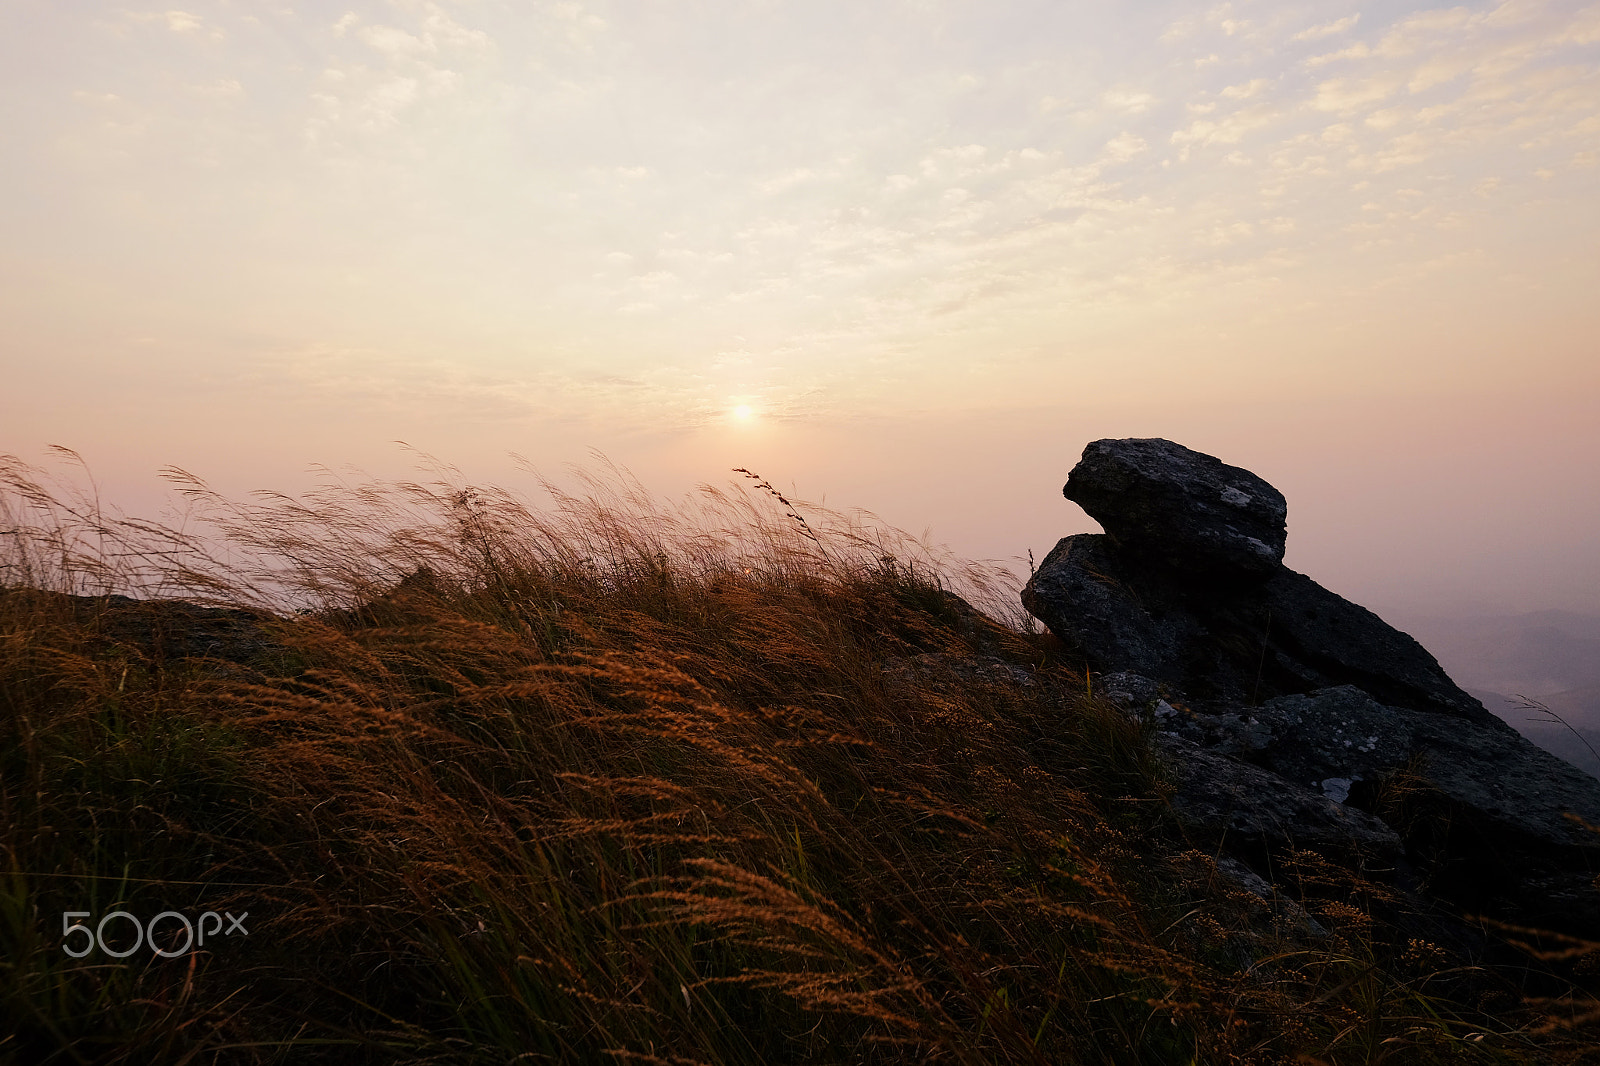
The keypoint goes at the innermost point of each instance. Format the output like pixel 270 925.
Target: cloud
pixel 1351 94
pixel 330 376
pixel 391 97
pixel 1128 101
pixel 956 162
pixel 175 20
pixel 1230 129
pixel 1359 50
pixel 578 24
pixel 1476 75
pixel 1585 27
pixel 785 181
pixel 395 42
pixel 1246 90
pixel 418 62
pixel 813 198
pixel 1124 147
pixel 434 32
pixel 1438 70
pixel 1223 235
pixel 221 89
pixel 1448 35
pixel 1327 29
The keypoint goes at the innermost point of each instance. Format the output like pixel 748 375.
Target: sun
pixel 744 412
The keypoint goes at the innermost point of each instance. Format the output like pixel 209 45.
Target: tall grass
pixel 735 781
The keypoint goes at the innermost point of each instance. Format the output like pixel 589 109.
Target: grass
pixel 740 781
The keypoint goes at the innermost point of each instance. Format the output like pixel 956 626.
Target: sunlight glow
pixel 951 243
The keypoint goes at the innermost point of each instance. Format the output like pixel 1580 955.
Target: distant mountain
pixel 1552 657
pixel 1536 654
pixel 1575 737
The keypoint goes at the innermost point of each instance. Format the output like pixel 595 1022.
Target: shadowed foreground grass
pixel 740 782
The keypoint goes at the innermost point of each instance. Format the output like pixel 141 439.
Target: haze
pixel 908 256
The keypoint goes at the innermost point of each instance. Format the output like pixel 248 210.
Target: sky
pixel 908 256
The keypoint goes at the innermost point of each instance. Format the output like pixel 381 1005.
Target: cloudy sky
pixel 910 255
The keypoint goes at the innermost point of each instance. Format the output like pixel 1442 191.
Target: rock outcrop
pixel 1292 717
pixel 1214 612
pixel 1165 505
pixel 157 631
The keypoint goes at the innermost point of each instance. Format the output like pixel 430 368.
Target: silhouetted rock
pixel 1238 635
pixel 1294 718
pixel 1163 503
pixel 1315 639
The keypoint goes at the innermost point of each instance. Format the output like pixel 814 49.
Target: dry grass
pixel 736 782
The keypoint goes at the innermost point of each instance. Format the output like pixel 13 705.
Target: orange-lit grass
pixel 620 782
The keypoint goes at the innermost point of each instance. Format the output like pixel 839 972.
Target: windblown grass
pixel 736 782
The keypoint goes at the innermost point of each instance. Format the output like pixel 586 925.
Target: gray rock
pixel 1087 595
pixel 1487 814
pixel 1493 817
pixel 160 630
pixel 1243 806
pixel 1293 717
pixel 1134 693
pixel 1335 738
pixel 936 667
pixel 1510 791
pixel 1316 639
pixel 1166 504
pixel 1251 640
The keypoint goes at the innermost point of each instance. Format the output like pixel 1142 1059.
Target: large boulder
pixel 1292 717
pixel 1165 504
pixel 1251 641
pixel 1094 600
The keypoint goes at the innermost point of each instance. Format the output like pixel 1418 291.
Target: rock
pixel 1506 825
pixel 1317 639
pixel 1134 693
pixel 1253 810
pixel 159 630
pixel 1338 740
pixel 1236 636
pixel 1293 718
pixel 1086 593
pixel 937 667
pixel 1165 504
pixel 1333 740
pixel 1507 787
pixel 1485 815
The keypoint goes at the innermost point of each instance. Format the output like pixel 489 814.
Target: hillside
pixel 1537 653
pixel 746 782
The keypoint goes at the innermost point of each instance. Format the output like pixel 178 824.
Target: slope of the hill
pixel 613 786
